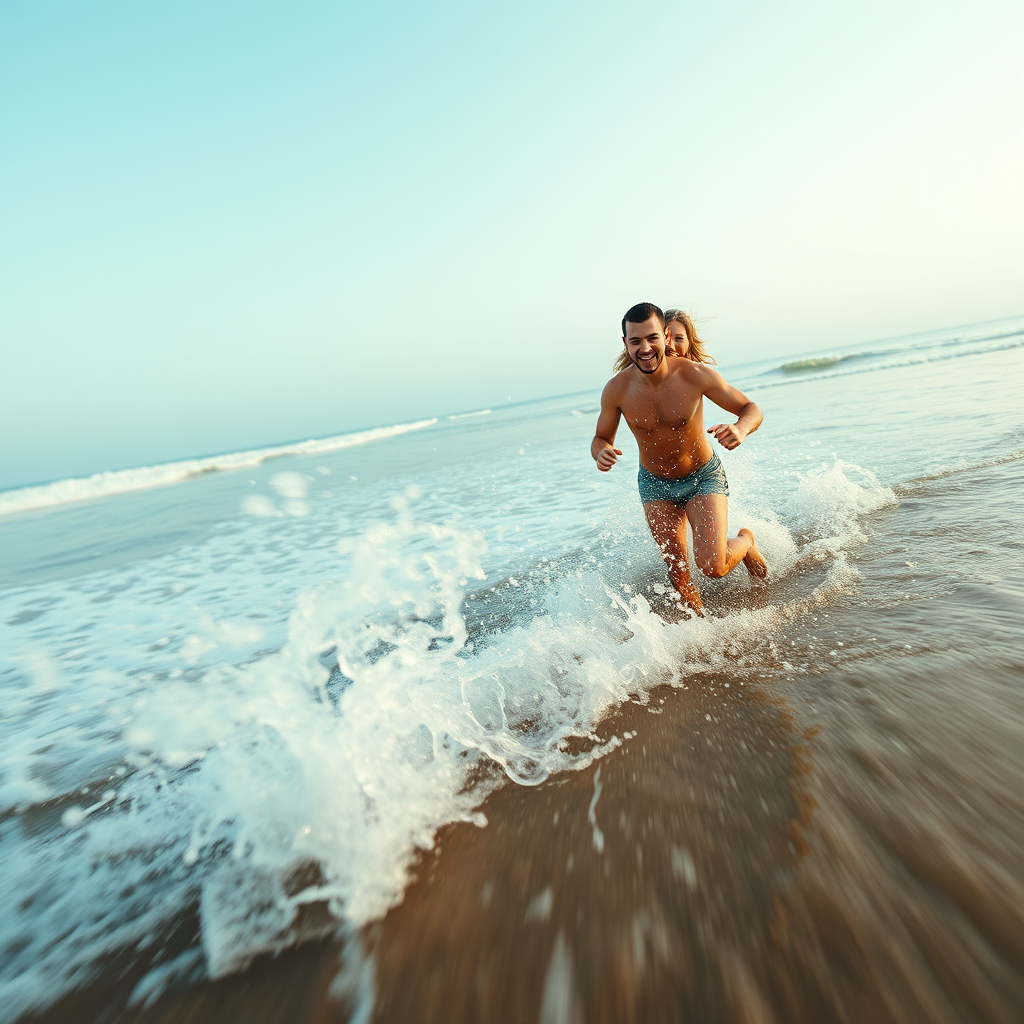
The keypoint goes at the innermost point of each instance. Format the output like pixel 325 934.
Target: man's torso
pixel 667 419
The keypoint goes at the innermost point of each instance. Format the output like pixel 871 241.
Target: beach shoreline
pixel 511 895
pixel 726 863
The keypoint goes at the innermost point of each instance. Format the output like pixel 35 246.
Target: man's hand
pixel 728 435
pixel 607 458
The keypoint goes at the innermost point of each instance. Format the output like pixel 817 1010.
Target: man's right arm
pixel 602 448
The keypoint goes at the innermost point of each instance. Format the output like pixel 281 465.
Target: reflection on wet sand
pixel 651 908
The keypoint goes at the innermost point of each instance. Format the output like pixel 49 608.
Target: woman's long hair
pixel 695 347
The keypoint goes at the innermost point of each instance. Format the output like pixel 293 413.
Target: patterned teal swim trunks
pixel 708 479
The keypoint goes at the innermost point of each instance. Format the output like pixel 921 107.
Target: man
pixel 680 475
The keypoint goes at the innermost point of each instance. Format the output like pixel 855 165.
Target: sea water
pixel 242 686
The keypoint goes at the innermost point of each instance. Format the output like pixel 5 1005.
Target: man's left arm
pixel 749 416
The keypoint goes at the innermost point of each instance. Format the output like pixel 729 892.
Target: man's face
pixel 645 344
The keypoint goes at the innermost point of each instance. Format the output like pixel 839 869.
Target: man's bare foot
pixel 689 599
pixel 753 559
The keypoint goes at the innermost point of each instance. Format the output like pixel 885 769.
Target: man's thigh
pixel 709 521
pixel 667 521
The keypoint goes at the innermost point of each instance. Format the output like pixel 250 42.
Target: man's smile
pixel 648 362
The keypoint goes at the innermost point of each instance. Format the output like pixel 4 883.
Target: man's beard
pixel 653 369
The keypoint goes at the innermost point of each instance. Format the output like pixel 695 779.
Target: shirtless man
pixel 680 475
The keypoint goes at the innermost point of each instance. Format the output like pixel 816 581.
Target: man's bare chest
pixel 649 410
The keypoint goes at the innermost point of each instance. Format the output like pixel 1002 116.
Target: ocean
pixel 337 693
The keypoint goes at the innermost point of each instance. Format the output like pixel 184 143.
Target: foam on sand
pixel 121 481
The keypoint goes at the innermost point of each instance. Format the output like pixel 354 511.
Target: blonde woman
pixel 686 342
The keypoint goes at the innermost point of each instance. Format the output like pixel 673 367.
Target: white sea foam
pixel 293 490
pixel 465 415
pixel 830 497
pixel 346 748
pixel 101 485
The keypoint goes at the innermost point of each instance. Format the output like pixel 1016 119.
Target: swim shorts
pixel 707 479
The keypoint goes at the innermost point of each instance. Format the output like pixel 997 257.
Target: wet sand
pixel 685 876
pixel 655 894
pixel 635 890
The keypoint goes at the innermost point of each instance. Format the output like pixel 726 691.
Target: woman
pixel 683 340
pixel 683 337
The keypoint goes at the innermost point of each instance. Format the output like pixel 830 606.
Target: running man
pixel 680 475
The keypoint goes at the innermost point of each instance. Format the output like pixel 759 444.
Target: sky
pixel 232 223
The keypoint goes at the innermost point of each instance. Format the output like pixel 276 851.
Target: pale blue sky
pixel 230 224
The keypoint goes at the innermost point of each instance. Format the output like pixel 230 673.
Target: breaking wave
pixel 121 481
pixel 816 363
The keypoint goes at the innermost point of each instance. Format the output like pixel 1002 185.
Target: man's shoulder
pixel 619 382
pixel 689 370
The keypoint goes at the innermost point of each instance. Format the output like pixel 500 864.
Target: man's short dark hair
pixel 640 312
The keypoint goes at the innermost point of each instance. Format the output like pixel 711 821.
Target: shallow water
pixel 828 828
pixel 320 660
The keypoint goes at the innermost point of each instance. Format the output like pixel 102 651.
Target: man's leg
pixel 713 551
pixel 668 527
